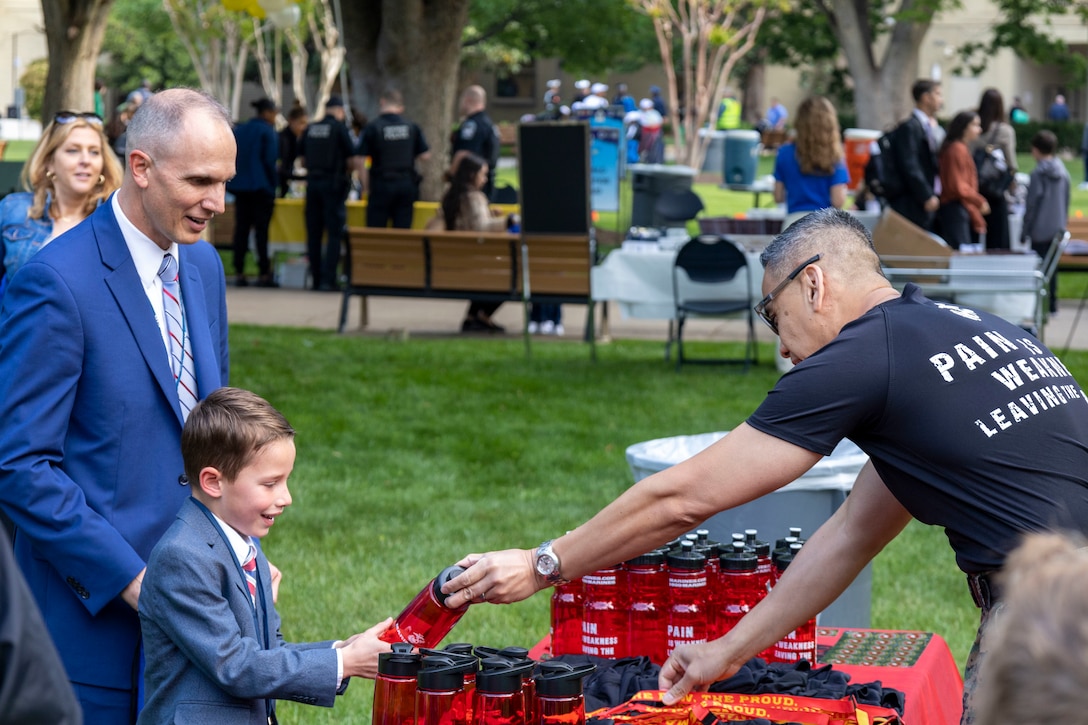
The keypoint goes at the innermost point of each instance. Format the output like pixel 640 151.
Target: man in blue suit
pixel 91 410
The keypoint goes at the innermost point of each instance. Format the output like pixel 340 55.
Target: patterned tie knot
pixel 250 563
pixel 168 270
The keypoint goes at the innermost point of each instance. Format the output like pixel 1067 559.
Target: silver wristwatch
pixel 547 564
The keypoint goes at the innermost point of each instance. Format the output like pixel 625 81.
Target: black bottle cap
pixel 559 679
pixel 501 675
pixel 686 558
pixel 450 572
pixel 399 663
pixel 650 558
pixel 741 558
pixel 441 672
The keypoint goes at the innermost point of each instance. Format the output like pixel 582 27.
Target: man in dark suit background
pixel 915 151
pixel 90 405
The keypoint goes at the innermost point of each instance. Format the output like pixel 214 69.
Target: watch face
pixel 545 564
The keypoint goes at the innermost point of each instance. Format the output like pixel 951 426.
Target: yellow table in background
pixel 287 233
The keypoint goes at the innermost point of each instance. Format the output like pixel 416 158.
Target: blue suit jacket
pixel 90 440
pixel 205 659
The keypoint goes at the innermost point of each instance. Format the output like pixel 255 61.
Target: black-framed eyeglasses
pixel 761 308
pixel 63 117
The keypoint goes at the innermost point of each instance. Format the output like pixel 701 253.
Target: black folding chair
pixel 709 261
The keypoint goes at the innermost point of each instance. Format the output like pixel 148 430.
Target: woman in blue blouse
pixel 71 171
pixel 810 172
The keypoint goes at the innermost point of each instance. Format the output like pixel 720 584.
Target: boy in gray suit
pixel 211 633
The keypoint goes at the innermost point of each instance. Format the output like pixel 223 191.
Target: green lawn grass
pixel 413 453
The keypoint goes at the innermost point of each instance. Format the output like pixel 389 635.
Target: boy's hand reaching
pixel 361 651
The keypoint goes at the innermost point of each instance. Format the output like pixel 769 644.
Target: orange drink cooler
pixel 856 143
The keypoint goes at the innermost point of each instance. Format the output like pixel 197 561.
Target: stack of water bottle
pixel 691 591
pixel 466 685
pixel 462 685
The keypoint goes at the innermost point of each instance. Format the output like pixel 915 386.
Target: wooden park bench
pixel 492 266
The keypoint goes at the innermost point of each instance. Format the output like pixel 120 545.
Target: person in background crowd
pixel 328 155
pixel 552 90
pixel 776 117
pixel 962 206
pixel 100 92
pixel 1084 157
pixel 926 390
pixel 581 90
pixel 659 101
pixel 915 152
pixel 1035 672
pixel 623 98
pixel 289 137
pixel 652 138
pixel 598 98
pixel 1018 114
pixel 1046 211
pixel 729 111
pixel 33 686
pixel 998 134
pixel 477 133
pixel 254 190
pixel 119 123
pixel 464 207
pixel 70 172
pixel 141 94
pixel 95 385
pixel 810 172
pixel 1058 110
pixel 394 145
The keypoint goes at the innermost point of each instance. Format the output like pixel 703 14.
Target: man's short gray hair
pixel 821 232
pixel 159 119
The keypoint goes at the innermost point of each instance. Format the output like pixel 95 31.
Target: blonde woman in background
pixel 70 172
pixel 810 171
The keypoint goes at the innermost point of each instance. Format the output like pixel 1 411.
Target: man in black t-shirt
pixel 970 424
pixel 393 145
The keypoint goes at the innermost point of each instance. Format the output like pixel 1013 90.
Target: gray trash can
pixel 741 157
pixel 715 150
pixel 648 183
pixel 807 502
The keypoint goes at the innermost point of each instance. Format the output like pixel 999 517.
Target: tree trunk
pixel 73 34
pixel 881 89
pixel 754 102
pixel 414 46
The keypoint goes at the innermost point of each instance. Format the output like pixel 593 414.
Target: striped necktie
pixel 179 347
pixel 249 567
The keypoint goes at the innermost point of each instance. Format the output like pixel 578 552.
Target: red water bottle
pixel 604 613
pixel 462 653
pixel 712 598
pixel 395 686
pixel 439 691
pixel 739 586
pixel 762 550
pixel 559 698
pixel 426 619
pixel 647 606
pixel 566 621
pixel 500 697
pixel 800 644
pixel 516 656
pixel 687 618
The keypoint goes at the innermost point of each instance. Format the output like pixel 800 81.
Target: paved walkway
pixel 409 316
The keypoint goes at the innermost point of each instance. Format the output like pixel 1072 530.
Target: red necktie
pixel 250 569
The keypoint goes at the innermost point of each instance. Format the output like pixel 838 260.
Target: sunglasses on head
pixel 63 117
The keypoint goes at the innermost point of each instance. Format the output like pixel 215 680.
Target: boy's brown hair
pixel 226 429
